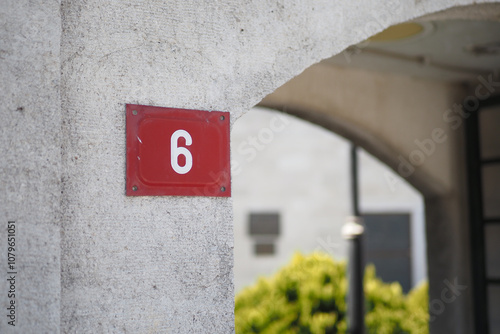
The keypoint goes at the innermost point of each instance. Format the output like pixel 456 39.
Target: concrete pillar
pixel 133 264
pixel 30 165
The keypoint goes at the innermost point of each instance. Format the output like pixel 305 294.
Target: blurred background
pixel 421 96
pixel 291 192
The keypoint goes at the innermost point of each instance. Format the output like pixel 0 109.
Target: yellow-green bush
pixel 308 296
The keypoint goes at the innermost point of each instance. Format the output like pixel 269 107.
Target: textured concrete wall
pixel 139 264
pixel 30 151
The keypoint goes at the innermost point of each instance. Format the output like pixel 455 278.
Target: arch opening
pixel 408 109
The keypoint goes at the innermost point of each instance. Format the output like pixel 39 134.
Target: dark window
pixel 388 247
pixel 483 155
pixel 264 229
pixel 264 224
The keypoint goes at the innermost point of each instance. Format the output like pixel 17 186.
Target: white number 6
pixel 175 151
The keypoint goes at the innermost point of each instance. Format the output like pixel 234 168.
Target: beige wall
pixel 389 112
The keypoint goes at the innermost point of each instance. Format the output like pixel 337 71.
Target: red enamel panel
pixel 177 152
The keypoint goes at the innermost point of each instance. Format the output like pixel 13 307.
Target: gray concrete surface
pixel 30 163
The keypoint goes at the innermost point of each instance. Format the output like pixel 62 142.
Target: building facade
pixel 293 178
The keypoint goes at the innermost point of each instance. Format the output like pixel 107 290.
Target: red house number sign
pixel 177 152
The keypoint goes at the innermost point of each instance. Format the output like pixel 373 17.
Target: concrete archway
pixel 442 246
pixel 405 123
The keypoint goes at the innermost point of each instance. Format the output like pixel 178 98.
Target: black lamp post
pixel 352 231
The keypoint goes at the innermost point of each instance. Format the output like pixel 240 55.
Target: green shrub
pixel 308 296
